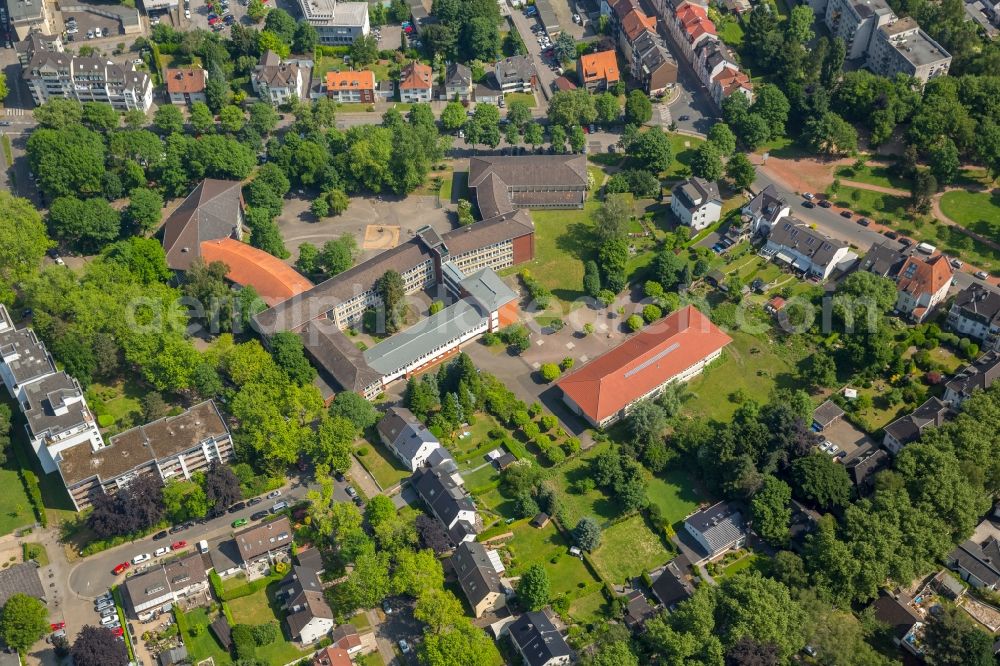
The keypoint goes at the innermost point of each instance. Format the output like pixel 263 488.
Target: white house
pixel 975 313
pixel 407 437
pixel 717 529
pixel 538 640
pixel 765 210
pixel 309 616
pixel 921 285
pixel 696 202
pixel 793 242
pixel 277 81
pixel 416 83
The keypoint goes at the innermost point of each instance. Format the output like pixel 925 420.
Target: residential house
pixel 975 313
pixel 174 447
pixel 538 641
pixel 516 74
pixel 351 87
pixel 52 74
pixel 717 529
pixel 265 542
pixel 598 71
pixel 347 638
pixel 416 83
pixel 186 85
pixel 977 376
pixel 309 616
pixel 863 464
pixel 163 585
pixel 21 578
pixel 883 259
pixel 826 415
pixel 652 64
pixel 907 429
pixel 710 58
pixel 458 82
pixel 673 585
pixel 728 81
pixel 921 285
pixel 332 656
pixel 696 202
pixel 902 47
pixel 175 655
pixel 904 622
pixel 407 437
pixel 765 210
pixel 690 26
pixel 487 91
pixel 280 81
pixel 449 502
pixel 674 349
pixel 637 610
pixel 805 249
pixel 337 23
pixel 977 563
pixel 478 572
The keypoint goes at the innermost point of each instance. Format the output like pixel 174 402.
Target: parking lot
pixel 87 25
pixel 200 14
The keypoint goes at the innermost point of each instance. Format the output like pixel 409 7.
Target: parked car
pixel 891 235
pixel 160 535
pixel 982 275
pixel 273 494
pixel 118 631
pixel 239 506
pixel 107 611
pixel 109 619
pixel 255 501
pixel 846 213
pixel 187 13
pixel 279 506
pixel 351 491
pixel 260 515
pixel 177 545
pixel 159 552
pixel 404 647
pixel 140 558
pixel 358 501
pixel 176 528
pixel 956 264
pixel 56 626
pixel 808 195
pixel 905 241
pixel 239 522
pixel 864 221
pixel 386 607
pixel 808 204
pixel 121 568
pixel 825 204
pixel 684 117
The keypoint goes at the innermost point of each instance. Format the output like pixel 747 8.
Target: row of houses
pixel 649 62
pixel 64 435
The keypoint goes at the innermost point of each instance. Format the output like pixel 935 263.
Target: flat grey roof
pixel 488 289
pixel 33 359
pixel 48 394
pixel 915 45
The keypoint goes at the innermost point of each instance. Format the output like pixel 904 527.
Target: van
pixel 279 506
pixel 203 546
pixel 926 248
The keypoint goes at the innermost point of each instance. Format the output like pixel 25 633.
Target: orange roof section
pixel 605 385
pixel 416 75
pixel 635 23
pixel 918 276
pixel 600 66
pixel 274 280
pixel 361 80
pixel 185 80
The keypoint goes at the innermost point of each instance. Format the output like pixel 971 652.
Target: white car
pixel 273 494
pixel 72 30
pixel 139 559
pixel 161 551
pixel 138 61
pixel 833 449
pixel 809 196
pixel 90 34
pixel 109 619
pixel 187 13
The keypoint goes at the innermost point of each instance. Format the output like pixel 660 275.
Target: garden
pixel 628 549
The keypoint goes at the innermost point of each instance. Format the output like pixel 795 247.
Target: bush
pixel 571 446
pixel 567 364
pixel 216 582
pixel 550 372
pixel 634 323
pixel 651 313
pixel 264 634
pixel 244 642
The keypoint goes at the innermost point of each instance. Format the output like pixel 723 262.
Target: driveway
pixel 546 75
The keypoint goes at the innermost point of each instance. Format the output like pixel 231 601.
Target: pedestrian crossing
pixel 16 112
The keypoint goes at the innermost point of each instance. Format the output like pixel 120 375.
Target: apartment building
pixel 50 73
pixel 351 87
pixel 279 81
pixel 58 419
pixel 23 357
pixel 27 16
pixel 186 85
pixel 337 23
pixel 651 64
pixel 975 313
pixel 690 26
pixel 172 447
pixel 901 47
pixel 696 202
pixel 458 82
pixel 516 74
pixel 598 71
pixel 416 83
pixel 37 42
pixel 164 584
pixel 802 248
pixel 856 22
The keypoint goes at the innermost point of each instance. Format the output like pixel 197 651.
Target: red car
pixel 178 545
pixel 56 626
pixel 118 631
pixel 121 568
pixel 213 20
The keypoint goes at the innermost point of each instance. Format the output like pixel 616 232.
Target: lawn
pixel 627 549
pixel 546 546
pixel 874 174
pixel 119 403
pixel 749 560
pixel 884 208
pixel 15 508
pixel 673 491
pixel 381 464
pixel 370 659
pixel 976 211
pixel 202 645
pixel 731 32
pixel 520 97
pixel 592 503
pixel 259 608
pixel 684 149
pixel 751 365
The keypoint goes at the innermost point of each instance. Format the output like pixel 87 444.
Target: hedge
pixel 182 622
pixel 30 481
pixel 216 582
pixel 228 613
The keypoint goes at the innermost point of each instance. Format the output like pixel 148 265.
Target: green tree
pixel 818 479
pixel 638 108
pixel 87 224
pixel 168 119
pixel 707 162
pixel 772 105
pixel 305 39
pixel 533 134
pixel 740 171
pixel 144 210
pixel 100 117
pixel 951 639
pixel 587 533
pixel 533 588
pixel 821 370
pixel 723 138
pixel 354 408
pixel 608 108
pixel 256 10
pixel 463 644
pixel 281 24
pixel 232 119
pixel 944 161
pixel 23 622
pixel 184 500
pixel 289 354
pixel 564 47
pixel 611 219
pixel 771 513
pixel 68 161
pixel 338 255
pixel 59 113
pixel 263 118
pixel 364 50
pixel 391 290
pixel 572 107
pixel 23 242
pixel 333 443
pixel 201 118
pixel 264 234
pixel 518 114
pixel 453 116
pixel 831 135
pixel 550 372
pixel 652 150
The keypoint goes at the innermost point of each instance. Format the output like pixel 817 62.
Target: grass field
pixel 15 508
pixel 627 549
pixel 673 491
pixel 750 561
pixel 382 465
pixel 593 503
pixel 685 148
pixel 121 401
pixel 873 174
pixel 885 208
pixel 750 364
pixel 203 645
pixel 259 608
pixel 546 546
pixel 731 32
pixel 370 659
pixel 976 211
pixel 520 97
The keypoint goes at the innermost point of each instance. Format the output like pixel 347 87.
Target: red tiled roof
pixel 332 656
pixel 273 279
pixel 646 360
pixel 416 75
pixel 635 23
pixel 562 83
pixel 919 276
pixel 362 80
pixel 600 66
pixel 186 80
